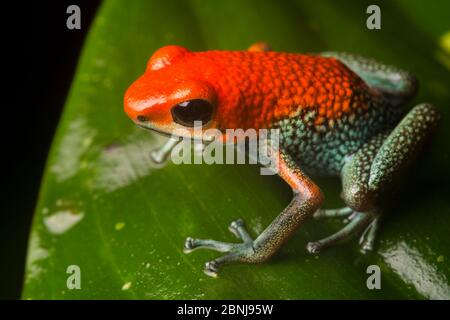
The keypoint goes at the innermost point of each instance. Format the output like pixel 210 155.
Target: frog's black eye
pixel 185 113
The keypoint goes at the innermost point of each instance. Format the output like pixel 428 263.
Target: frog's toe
pixel 237 227
pixel 160 155
pixel 212 267
pixel 358 221
pixel 332 213
pixel 367 240
pixel 313 247
pixel 235 252
pixel 192 244
pixel 367 247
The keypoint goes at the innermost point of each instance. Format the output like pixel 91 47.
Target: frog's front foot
pixel 161 154
pixel 357 222
pixel 236 252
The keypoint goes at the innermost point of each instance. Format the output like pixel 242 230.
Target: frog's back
pixel 323 109
pixel 274 85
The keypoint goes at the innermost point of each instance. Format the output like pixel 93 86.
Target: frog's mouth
pixel 173 135
pixel 146 127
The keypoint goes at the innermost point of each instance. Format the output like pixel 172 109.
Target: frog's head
pixel 171 97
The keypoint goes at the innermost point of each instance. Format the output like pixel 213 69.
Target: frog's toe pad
pixel 189 245
pixel 211 269
pixel 157 157
pixel 367 247
pixel 235 226
pixel 313 247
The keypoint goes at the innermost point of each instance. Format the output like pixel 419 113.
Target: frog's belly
pixel 323 149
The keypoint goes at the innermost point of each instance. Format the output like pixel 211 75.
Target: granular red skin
pixel 250 89
pixel 263 87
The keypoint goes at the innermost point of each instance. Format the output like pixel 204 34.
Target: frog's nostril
pixel 142 118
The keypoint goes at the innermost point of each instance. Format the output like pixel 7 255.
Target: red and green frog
pixel 338 114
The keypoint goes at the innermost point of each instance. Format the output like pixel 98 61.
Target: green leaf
pixel 105 207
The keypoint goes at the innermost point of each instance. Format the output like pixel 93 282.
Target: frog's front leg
pixel 306 200
pixel 371 174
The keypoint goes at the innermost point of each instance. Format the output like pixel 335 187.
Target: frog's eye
pixel 187 112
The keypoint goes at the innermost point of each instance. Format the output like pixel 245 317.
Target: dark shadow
pixel 44 55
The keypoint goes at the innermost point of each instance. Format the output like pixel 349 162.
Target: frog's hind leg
pixel 307 198
pixel 371 174
pixel 396 84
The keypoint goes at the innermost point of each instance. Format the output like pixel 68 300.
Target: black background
pixel 39 56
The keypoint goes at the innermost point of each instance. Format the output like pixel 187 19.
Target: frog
pixel 337 114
